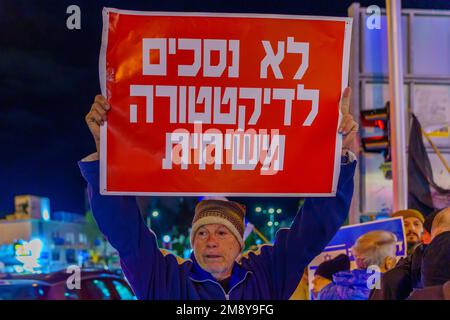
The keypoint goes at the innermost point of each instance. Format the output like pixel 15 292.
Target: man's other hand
pixel 96 117
pixel 348 126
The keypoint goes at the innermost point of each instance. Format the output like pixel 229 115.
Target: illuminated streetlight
pixel 258 209
pixel 155 213
pixel 270 223
pixel 166 238
pixel 271 210
pixel 276 223
pixel 45 215
pixel 279 210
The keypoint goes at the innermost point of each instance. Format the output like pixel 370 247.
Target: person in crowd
pixel 413 222
pixel 212 271
pixel 302 290
pixel 399 282
pixel 325 271
pixel 426 235
pixel 374 253
pixel 435 268
pixel 441 223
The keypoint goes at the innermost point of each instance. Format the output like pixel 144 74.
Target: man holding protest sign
pixel 212 272
pixel 286 65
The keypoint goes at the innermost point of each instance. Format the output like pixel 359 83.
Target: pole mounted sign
pixel 222 104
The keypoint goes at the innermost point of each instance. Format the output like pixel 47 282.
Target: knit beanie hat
pixel 327 268
pixel 228 213
pixel 436 261
pixel 409 213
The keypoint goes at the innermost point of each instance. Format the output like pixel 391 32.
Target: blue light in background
pixel 45 209
pixel 382 216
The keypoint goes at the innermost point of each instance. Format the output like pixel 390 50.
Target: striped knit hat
pixel 409 213
pixel 228 213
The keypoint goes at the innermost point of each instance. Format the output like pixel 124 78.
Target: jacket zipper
pixel 208 280
pixel 227 296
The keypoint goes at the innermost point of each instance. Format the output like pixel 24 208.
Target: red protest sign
pixel 221 104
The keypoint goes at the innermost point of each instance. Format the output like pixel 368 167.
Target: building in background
pixel 34 239
pixel 426 64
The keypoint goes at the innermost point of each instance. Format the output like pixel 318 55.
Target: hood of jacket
pixel 354 278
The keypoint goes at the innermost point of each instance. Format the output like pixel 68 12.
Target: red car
pixel 94 285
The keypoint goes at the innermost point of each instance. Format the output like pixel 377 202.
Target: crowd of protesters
pixel 352 278
pixel 217 267
pixel 423 274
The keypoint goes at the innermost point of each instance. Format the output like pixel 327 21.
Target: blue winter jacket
pixel 271 273
pixel 347 285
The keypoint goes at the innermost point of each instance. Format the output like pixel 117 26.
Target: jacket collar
pixel 197 273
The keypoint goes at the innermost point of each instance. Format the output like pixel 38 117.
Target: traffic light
pixel 376 131
pixel 375 135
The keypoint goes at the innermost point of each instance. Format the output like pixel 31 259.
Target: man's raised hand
pixel 96 117
pixel 348 126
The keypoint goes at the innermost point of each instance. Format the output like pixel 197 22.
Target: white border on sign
pixel 370 222
pixel 213 194
pixel 102 74
pixel 383 220
pixel 378 221
pixel 226 15
pixel 344 84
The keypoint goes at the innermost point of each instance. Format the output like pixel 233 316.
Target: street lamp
pixel 154 214
pixel 272 224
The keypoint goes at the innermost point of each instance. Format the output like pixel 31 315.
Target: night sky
pixel 49 76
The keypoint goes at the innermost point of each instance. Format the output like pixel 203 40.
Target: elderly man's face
pixel 216 249
pixel 413 229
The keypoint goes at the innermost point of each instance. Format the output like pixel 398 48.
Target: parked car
pixel 94 285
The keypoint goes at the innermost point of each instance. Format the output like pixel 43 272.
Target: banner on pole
pixel 222 104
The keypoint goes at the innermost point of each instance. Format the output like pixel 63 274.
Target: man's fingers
pixel 94 116
pixel 100 110
pixel 348 124
pixel 101 100
pixel 350 141
pixel 350 127
pixel 345 101
pixel 345 120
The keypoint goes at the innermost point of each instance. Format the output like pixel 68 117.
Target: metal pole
pixel 397 107
pixel 260 235
pixel 354 12
pixel 272 233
